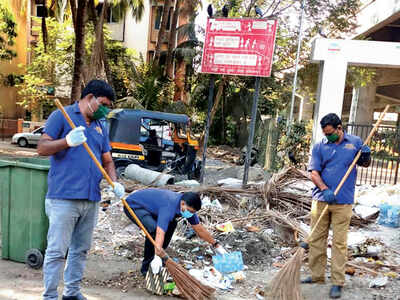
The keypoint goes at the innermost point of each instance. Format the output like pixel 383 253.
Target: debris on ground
pixel 264 221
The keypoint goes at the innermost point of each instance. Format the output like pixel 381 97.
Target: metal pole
pixel 289 120
pixel 210 104
pixel 252 127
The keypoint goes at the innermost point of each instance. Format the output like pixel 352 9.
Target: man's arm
pixel 47 146
pixel 108 165
pixel 203 233
pixel 317 180
pixel 160 235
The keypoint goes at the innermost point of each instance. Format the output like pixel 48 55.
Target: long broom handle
pixel 350 168
pixel 106 176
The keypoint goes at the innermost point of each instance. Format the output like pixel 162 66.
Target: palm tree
pixel 79 16
pixel 161 32
pixel 172 39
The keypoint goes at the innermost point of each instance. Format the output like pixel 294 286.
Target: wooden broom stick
pixel 106 176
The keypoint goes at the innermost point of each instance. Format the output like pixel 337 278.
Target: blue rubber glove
pixel 365 149
pixel 118 190
pixel 329 196
pixel 76 136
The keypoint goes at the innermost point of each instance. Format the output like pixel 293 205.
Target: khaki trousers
pixel 338 215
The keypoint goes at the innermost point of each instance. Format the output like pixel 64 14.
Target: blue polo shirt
pixel 73 174
pixel 332 161
pixel 165 205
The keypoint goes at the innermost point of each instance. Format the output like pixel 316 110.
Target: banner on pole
pixel 239 46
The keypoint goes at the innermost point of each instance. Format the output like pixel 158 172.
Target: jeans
pixel 339 216
pixel 71 224
pixel 150 223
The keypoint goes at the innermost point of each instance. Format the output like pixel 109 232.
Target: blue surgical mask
pixel 186 214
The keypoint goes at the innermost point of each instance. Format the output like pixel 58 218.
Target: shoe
pixel 336 292
pixel 76 297
pixel 309 280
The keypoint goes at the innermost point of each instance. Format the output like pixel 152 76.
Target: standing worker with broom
pixel 157 210
pixel 329 161
pixel 72 200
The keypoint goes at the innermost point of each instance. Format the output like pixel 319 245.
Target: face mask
pixel 332 137
pixel 101 111
pixel 186 214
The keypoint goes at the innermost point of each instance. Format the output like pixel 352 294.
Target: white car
pixel 24 139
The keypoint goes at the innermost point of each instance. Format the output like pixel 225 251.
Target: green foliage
pixel 8 33
pixel 149 86
pixel 48 68
pixel 296 142
pixel 12 79
pixel 121 61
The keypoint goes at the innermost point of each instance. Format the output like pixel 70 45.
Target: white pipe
pixel 148 177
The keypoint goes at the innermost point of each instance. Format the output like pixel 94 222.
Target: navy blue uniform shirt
pixel 164 205
pixel 332 161
pixel 73 174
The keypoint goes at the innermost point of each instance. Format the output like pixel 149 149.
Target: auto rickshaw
pixel 153 140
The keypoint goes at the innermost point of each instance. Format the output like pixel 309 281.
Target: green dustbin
pixel 24 224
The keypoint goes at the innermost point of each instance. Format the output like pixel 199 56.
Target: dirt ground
pixel 113 263
pixel 19 282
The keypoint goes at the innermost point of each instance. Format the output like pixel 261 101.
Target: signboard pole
pixel 252 128
pixel 290 119
pixel 210 104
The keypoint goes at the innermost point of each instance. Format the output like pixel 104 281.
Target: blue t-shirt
pixel 332 161
pixel 163 204
pixel 73 174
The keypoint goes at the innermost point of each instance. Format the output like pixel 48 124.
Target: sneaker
pixel 309 280
pixel 76 297
pixel 336 292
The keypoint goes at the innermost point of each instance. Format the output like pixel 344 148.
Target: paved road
pixel 6 148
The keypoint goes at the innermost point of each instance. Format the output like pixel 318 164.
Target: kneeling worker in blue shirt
pixel 158 210
pixel 329 162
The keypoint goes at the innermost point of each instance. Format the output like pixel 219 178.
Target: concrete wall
pixel 8 95
pixel 134 35
pixel 376 12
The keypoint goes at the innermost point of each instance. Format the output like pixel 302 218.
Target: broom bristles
pixel 285 285
pixel 189 286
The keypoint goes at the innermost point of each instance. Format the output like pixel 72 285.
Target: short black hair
pixel 192 199
pixel 330 119
pixel 98 88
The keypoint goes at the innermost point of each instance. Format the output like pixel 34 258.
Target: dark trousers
pixel 150 223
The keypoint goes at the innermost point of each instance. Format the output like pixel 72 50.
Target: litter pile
pixel 263 221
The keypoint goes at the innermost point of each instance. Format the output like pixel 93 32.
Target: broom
pixel 189 286
pixel 285 285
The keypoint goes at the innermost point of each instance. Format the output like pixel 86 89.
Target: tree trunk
pixel 79 49
pixel 180 75
pixel 44 27
pixel 72 4
pixel 218 97
pixel 172 41
pixel 161 32
pixel 96 68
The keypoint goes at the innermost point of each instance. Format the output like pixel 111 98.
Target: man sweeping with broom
pixel 158 210
pixel 329 162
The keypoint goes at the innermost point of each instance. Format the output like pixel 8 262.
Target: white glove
pixel 118 190
pixel 156 264
pixel 220 250
pixel 76 137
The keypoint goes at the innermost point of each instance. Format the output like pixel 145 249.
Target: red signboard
pixel 239 47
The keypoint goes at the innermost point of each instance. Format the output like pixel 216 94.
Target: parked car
pixel 24 139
